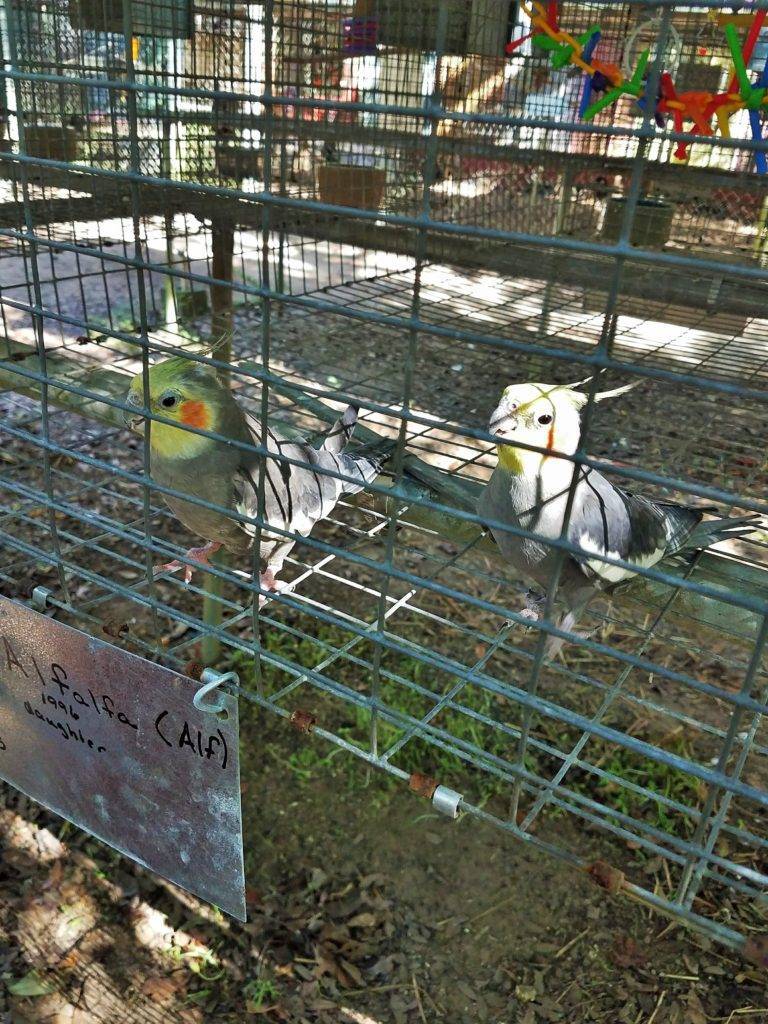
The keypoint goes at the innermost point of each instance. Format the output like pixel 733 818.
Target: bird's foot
pixel 267 581
pixel 199 555
pixel 553 647
pixel 533 605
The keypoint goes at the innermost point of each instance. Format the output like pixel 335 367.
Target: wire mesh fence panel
pixel 225 227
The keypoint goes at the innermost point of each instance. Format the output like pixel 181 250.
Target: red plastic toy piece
pixel 551 20
pixel 685 106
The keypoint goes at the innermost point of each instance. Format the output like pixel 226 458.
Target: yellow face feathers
pixel 542 416
pixel 510 458
pixel 185 392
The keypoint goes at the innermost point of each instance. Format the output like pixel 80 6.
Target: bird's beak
pixel 503 422
pixel 131 419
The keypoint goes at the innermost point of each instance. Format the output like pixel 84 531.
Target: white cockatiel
pixel 529 490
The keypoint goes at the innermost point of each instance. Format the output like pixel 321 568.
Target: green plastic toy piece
pixel 753 98
pixel 633 86
pixel 561 52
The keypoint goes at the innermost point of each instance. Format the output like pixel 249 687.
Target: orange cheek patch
pixel 195 414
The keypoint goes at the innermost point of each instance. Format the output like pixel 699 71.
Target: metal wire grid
pixel 401 582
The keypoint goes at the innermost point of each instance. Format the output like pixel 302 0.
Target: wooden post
pixel 170 310
pixel 222 255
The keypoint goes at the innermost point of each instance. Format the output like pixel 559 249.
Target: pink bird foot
pixel 267 581
pixel 199 555
pixel 534 603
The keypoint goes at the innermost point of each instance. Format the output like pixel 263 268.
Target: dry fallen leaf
pixel 695 1010
pixel 55 876
pixel 364 920
pixel 627 953
pixel 160 988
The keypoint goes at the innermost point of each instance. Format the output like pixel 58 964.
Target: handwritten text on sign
pixel 114 744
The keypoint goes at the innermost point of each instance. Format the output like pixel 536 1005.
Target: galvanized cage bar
pixel 373 202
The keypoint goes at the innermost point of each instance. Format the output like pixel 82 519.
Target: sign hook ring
pixel 212 680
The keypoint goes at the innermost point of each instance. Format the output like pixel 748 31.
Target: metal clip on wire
pixel 212 680
pixel 39 599
pixel 447 801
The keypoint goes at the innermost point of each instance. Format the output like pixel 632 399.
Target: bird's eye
pixel 545 418
pixel 168 401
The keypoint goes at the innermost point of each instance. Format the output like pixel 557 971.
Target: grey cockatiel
pixel 296 496
pixel 529 490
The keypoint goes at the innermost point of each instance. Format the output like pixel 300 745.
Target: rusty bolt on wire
pixel 194 670
pixel 607 877
pixel 303 721
pixel 422 785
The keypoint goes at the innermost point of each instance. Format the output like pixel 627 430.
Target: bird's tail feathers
pixel 364 468
pixel 368 460
pixel 337 438
pixel 713 531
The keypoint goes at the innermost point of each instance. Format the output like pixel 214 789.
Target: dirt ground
pixel 364 907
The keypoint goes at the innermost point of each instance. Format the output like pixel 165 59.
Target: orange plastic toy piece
pixel 685 106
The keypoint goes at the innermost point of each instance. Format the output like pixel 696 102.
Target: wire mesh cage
pixel 406 208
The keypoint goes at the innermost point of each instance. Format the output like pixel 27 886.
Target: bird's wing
pixel 606 520
pixel 296 496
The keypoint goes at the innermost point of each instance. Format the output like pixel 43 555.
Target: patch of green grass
pixel 466 731
pixel 258 993
pixel 657 778
pixel 353 722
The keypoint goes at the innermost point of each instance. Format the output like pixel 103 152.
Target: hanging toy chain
pixel 698 108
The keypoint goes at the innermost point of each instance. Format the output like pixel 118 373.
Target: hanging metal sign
pixel 114 744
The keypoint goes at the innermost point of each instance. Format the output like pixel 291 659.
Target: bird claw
pixel 267 581
pixel 199 555
pixel 174 566
pixel 532 610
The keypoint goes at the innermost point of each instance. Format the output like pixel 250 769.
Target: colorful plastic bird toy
pixel 607 82
pixel 549 17
pixel 563 52
pixel 633 87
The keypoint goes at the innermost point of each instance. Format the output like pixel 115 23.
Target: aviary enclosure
pixel 410 206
